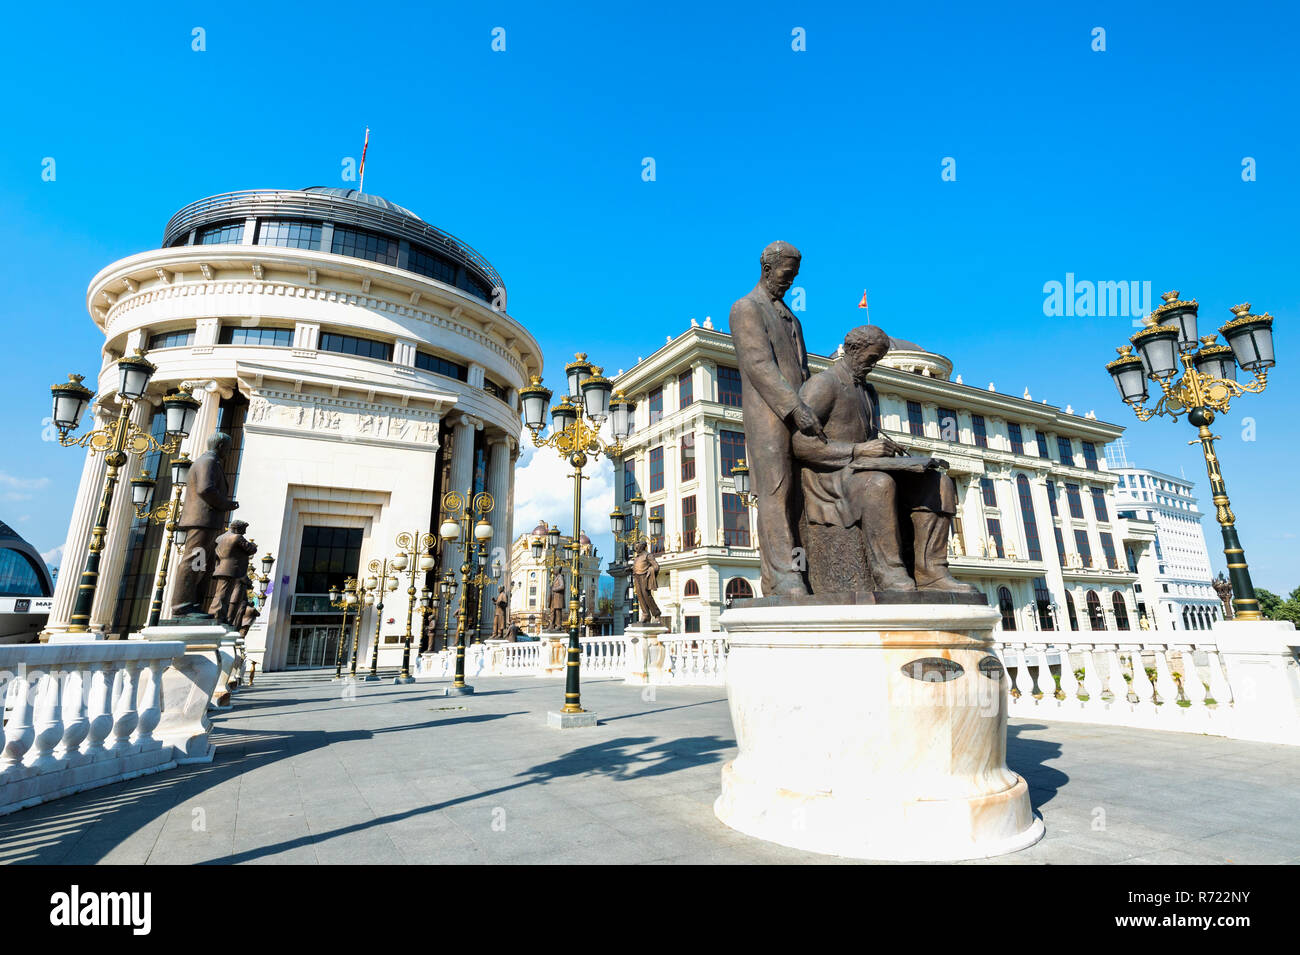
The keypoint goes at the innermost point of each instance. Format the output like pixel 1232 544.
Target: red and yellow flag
pixel 863 303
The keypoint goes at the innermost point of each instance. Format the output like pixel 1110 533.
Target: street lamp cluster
pixel 1208 385
pixel 458 518
pixel 629 533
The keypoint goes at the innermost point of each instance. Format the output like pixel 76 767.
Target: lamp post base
pixel 403 679
pixel 571 721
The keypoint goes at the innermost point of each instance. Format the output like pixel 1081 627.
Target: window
pixel 1089 455
pixel 1060 545
pixel 1096 619
pixel 948 425
pixel 995 535
pixel 178 339
pixel 629 479
pixel 1076 504
pixel 427 263
pixel 19 576
pixel 735 521
pixel 1027 515
pixel 1051 497
pixel 441 366
pixel 656 469
pixel 657 543
pixel 688 456
pixel 1121 611
pixel 351 345
pixel 729 386
pixel 692 624
pixel 915 422
pixel 1042 444
pixel 986 489
pixel 981 434
pixel 685 389
pixel 688 522
pixel 1099 503
pixel 289 233
pixel 656 405
pixel 1069 606
pixel 1043 601
pixel 1083 547
pixel 255 335
pixel 691 589
pixel 733 449
pixel 1007 608
pixel 1065 451
pixel 1132 561
pixel 364 245
pixel 1108 548
pixel 329 555
pixel 738 588
pixel 227 233
pixel 496 391
pixel 1017 439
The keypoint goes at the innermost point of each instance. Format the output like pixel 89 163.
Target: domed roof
pixel 583 538
pixel 541 530
pixel 356 196
pixel 899 344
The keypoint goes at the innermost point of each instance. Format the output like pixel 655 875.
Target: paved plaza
pixel 308 771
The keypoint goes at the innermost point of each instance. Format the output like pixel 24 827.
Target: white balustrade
pixel 603 655
pixel 693 659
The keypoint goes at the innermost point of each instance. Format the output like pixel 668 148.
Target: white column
pixel 121 517
pixel 499 470
pixel 205 425
pixel 460 478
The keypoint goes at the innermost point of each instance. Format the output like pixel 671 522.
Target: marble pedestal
pixel 1262 658
pixel 642 642
pixel 873 732
pixel 558 719
pixel 188 685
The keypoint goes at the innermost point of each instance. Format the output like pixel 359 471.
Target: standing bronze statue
pixel 501 614
pixel 557 604
pixel 773 365
pixel 877 517
pixel 645 579
pixel 207 502
pixel 230 595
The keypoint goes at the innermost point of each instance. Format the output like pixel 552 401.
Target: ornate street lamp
pixel 170 513
pixel 1208 385
pixel 415 557
pixel 382 580
pixel 740 474
pixel 345 600
pixel 458 518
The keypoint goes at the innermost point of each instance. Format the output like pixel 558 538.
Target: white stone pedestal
pixel 873 732
pixel 187 688
pixel 553 654
pixel 557 719
pixel 642 641
pixel 1260 656
pixel 226 658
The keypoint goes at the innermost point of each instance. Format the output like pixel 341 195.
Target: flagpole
pixel 364 147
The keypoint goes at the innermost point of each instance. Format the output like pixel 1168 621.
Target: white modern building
pixel 25 588
pixel 530 581
pixel 364 364
pixel 1178 593
pixel 1037 530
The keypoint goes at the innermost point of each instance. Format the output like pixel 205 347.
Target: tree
pixel 1274 607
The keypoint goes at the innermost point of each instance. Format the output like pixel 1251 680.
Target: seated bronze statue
pixel 876 518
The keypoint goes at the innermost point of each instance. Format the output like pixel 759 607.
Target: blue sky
pixel 1117 165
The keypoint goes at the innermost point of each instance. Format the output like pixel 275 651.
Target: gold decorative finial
pixel 1170 296
pixel 580 355
pixel 1150 320
pixel 1241 310
pixel 1208 339
pixel 1124 350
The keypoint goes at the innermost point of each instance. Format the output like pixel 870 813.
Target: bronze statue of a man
pixel 773 365
pixel 645 578
pixel 557 603
pixel 233 552
pixel 207 502
pixel 856 478
pixel 500 613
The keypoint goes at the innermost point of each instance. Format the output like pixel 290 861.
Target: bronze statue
pixel 207 502
pixel 861 489
pixel 250 614
pixel 233 552
pixel 501 613
pixel 557 604
pixel 645 578
pixel 773 365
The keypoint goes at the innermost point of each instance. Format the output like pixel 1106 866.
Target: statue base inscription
pixel 872 731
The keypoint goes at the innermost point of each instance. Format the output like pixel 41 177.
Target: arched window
pixel 738 589
pixel 1096 619
pixel 691 589
pixel 1008 609
pixel 1043 600
pixel 1121 611
pixel 1069 606
pixel 1187 618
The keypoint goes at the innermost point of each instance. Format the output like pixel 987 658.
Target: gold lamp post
pixel 618 521
pixel 1208 385
pixel 345 601
pixel 142 489
pixel 554 552
pixel 575 433
pixel 117 441
pixel 458 518
pixel 382 580
pixel 365 598
pixel 415 556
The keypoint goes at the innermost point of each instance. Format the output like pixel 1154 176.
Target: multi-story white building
pixel 362 361
pixel 1178 593
pixel 1037 529
pixel 530 581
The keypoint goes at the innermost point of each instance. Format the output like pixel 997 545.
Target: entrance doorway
pixel 311 645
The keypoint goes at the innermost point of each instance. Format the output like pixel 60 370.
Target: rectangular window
pixel 735 521
pixel 1099 504
pixel 1064 449
pixel 657 543
pixel 255 335
pixel 1030 520
pixel 1042 444
pixel 729 386
pixel 656 406
pixel 496 391
pixel 915 422
pixel 733 449
pixel 1089 455
pixel 441 366
pixel 1017 439
pixel 629 479
pixel 1060 545
pixel 1084 548
pixel 692 624
pixel 948 425
pixel 1076 503
pixel 656 469
pixel 685 389
pixel 364 245
pixel 977 426
pixel 688 522
pixel 1108 548
pixel 688 456
pixel 986 488
pixel 289 233
pixel 434 266
pixel 1051 497
pixel 227 233
pixel 328 556
pixel 1043 600
pixel 177 339
pixel 351 345
pixel 995 535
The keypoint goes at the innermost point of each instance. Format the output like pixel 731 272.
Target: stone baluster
pixel 1046 685
pixel 1193 688
pixel 1014 664
pixel 1142 687
pixel 75 722
pixel 1165 686
pixel 18 728
pixel 1115 681
pixel 48 722
pixel 99 709
pixel 1069 682
pixel 151 711
pixel 1091 677
pixel 1219 688
pixel 125 715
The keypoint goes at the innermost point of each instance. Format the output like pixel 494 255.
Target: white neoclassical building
pixel 530 581
pixel 362 361
pixel 1037 528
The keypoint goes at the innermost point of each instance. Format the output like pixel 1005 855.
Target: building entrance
pixel 311 645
